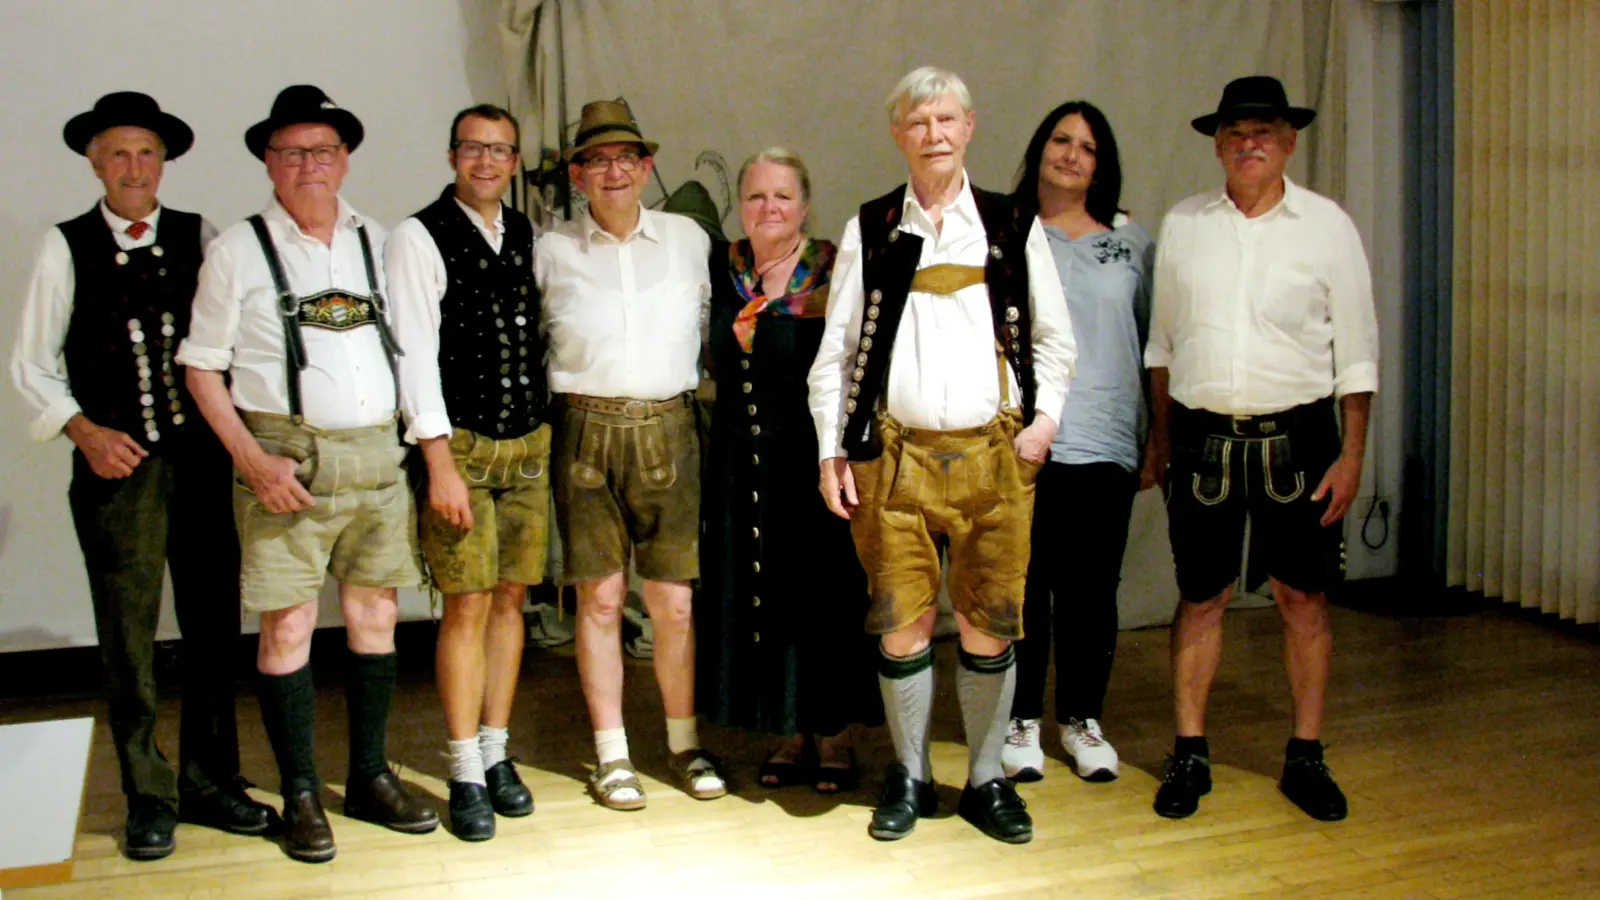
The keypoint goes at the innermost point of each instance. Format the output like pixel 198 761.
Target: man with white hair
pixel 940 450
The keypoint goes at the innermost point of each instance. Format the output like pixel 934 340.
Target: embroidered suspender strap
pixel 391 348
pixel 289 312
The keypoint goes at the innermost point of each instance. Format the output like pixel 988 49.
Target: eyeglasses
pixel 597 165
pixel 294 157
pixel 475 149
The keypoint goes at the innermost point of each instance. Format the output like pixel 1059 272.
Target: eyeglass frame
pixel 592 164
pixel 305 152
pixel 512 151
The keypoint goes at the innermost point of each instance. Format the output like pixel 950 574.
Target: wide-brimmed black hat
pixel 132 109
pixel 1254 97
pixel 304 104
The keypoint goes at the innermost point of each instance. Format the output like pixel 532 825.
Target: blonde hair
pixel 924 84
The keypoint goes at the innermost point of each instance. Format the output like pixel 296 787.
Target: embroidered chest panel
pixel 337 311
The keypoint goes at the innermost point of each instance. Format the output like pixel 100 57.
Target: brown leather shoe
pixel 384 801
pixel 307 836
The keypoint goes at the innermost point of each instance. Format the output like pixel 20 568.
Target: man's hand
pixel 1033 443
pixel 1343 480
pixel 1153 474
pixel 272 479
pixel 448 495
pixel 111 453
pixel 837 478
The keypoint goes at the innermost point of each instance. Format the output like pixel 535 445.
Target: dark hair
pixel 1105 191
pixel 492 113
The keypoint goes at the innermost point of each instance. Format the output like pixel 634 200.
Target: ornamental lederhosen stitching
pixel 491 355
pixel 130 309
pixel 889 263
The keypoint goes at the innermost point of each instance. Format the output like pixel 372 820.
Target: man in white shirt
pixel 105 309
pixel 1263 316
pixel 290 306
pixel 941 448
pixel 472 388
pixel 624 289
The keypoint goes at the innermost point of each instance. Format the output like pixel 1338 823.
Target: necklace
pixel 761 272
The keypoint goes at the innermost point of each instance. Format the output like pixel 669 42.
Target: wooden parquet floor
pixel 1469 747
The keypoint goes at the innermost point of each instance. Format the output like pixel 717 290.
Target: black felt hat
pixel 132 109
pixel 1254 97
pixel 304 104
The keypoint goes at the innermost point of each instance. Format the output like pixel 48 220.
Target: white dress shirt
pixel 38 368
pixel 415 271
pixel 622 316
pixel 235 326
pixel 1260 315
pixel 943 374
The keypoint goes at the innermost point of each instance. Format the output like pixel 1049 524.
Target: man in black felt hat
pixel 1263 324
pixel 290 304
pixel 105 309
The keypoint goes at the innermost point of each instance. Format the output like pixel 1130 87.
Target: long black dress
pixel 778 621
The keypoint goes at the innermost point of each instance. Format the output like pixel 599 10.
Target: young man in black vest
pixel 105 309
pixel 940 450
pixel 290 305
pixel 472 389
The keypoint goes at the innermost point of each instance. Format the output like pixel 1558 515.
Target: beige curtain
pixel 1524 509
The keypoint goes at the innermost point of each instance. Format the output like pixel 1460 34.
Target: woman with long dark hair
pixel 1071 175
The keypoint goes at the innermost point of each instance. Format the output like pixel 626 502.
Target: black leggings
pixel 1080 530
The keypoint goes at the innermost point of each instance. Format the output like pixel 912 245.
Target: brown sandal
pixel 604 788
pixel 694 764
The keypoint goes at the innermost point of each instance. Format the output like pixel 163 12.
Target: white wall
pixel 403 66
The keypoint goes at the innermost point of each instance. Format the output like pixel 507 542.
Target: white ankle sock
pixel 493 743
pixel 611 744
pixel 466 762
pixel 682 734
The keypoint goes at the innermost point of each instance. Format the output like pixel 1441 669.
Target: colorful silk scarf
pixel 806 296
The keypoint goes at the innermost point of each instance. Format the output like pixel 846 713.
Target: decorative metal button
pixel 523 379
pixel 167 318
pixel 1012 314
pixel 744 364
pixel 483 263
pixel 161 271
pixel 894 235
pixel 137 336
pixel 850 406
pixel 755 533
pixel 174 406
pixel 133 325
pixel 1015 347
pixel 872 313
pixel 751 409
pixel 755 459
pixel 168 330
pixel 494 308
pixel 755 567
pixel 146 400
pixel 499 323
pixel 144 384
pixel 142 359
pixel 861 359
pixel 858 374
pixel 522 351
pixel 755 430
pixel 866 343
pixel 516 259
pixel 505 398
pixel 153 435
pixel 748 387
pixel 755 496
pixel 876 297
pixel 855 390
pixel 524 289
pixel 870 328
pixel 1012 331
pixel 755 601
pixel 155 250
pixel 177 419
pixel 121 258
pixel 147 412
pixel 994 251
pixel 505 354
pixel 505 338
pixel 168 380
pixel 505 382
pixel 756 637
pixel 505 413
pixel 521 321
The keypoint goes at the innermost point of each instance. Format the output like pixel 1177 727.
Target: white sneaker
pixel 1092 755
pixel 1022 758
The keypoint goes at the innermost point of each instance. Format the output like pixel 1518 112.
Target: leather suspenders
pixel 289 312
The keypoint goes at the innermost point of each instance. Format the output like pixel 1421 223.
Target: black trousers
pixel 1080 530
pixel 175 510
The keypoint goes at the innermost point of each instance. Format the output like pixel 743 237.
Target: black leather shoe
pixel 307 836
pixel 997 811
pixel 384 801
pixel 151 822
pixel 471 812
pixel 507 792
pixel 227 807
pixel 1309 784
pixel 1187 779
pixel 903 801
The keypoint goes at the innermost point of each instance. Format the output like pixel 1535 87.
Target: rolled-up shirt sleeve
pixel 1355 319
pixel 1055 352
pixel 414 272
pixel 214 318
pixel 38 367
pixel 1158 347
pixel 841 331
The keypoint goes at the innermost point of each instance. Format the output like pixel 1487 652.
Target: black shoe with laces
pixel 1187 779
pixel 506 791
pixel 149 832
pixel 227 807
pixel 904 800
pixel 997 811
pixel 1308 783
pixel 471 811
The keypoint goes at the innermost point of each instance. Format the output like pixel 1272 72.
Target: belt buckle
pixel 636 409
pixel 1236 420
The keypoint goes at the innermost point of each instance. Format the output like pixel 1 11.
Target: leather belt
pixel 1265 425
pixel 628 409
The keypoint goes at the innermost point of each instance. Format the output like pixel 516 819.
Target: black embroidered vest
pixel 130 308
pixel 890 258
pixel 491 355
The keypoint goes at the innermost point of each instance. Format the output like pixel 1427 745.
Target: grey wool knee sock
pixel 907 685
pixel 985 686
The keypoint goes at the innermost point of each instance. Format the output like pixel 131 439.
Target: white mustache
pixel 942 148
pixel 1258 155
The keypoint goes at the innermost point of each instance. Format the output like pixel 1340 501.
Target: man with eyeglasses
pixel 290 310
pixel 472 389
pixel 623 292
pixel 104 311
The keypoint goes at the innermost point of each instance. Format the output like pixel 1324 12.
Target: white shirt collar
pixel 965 206
pixel 121 225
pixel 476 218
pixel 1292 203
pixel 345 216
pixel 644 228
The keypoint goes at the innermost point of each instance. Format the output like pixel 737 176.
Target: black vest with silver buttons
pixel 491 356
pixel 130 308
pixel 890 259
